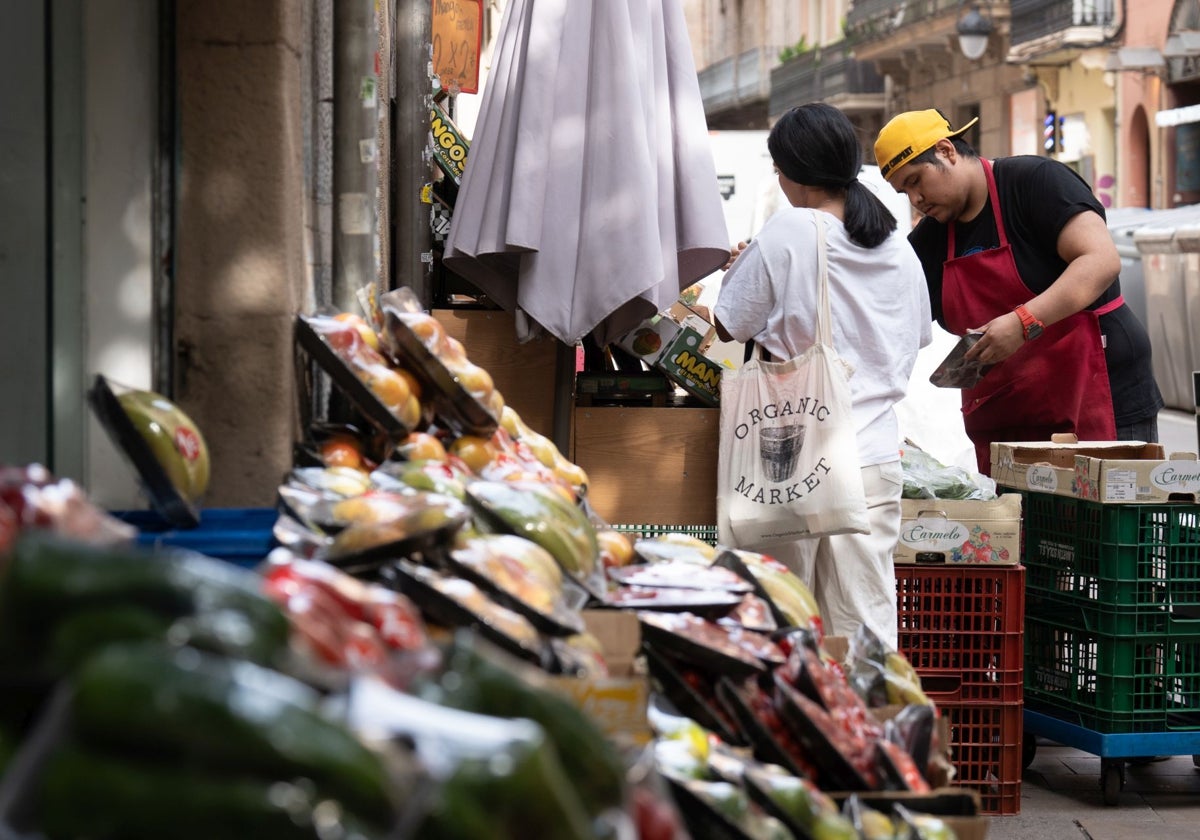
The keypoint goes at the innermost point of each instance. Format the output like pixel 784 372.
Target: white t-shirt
pixel 879 303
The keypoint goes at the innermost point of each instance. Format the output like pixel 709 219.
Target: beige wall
pixel 1086 96
pixel 1139 96
pixel 241 245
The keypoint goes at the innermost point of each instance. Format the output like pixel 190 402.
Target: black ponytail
pixel 868 221
pixel 816 145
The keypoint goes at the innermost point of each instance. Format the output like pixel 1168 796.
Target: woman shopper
pixel 881 318
pixel 1018 249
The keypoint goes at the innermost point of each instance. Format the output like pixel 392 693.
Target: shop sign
pixel 457 40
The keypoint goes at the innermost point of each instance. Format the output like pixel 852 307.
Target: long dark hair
pixel 815 145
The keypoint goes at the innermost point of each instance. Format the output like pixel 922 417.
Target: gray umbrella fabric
pixel 589 198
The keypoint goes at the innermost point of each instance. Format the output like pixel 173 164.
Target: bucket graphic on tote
pixel 779 450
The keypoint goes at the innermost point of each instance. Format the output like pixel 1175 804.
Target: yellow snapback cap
pixel 907 135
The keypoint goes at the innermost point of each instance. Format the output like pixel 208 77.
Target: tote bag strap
pixel 824 316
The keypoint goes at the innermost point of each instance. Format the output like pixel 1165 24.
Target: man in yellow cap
pixel 1018 249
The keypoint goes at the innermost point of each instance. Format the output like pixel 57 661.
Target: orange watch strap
pixel 1028 320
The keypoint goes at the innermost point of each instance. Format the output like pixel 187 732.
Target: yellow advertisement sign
pixel 457 40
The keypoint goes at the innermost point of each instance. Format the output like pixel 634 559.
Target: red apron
pixel 1055 383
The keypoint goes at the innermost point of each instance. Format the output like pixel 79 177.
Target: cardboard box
pixel 649 339
pixel 937 531
pixel 1137 479
pixel 618 702
pixel 1049 466
pixel 687 365
pixel 696 318
pixel 674 451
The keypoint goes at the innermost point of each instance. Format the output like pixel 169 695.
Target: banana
pixel 903 682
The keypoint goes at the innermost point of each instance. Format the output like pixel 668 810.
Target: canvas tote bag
pixel 788 466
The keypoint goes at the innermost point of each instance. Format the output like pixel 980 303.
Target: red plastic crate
pixel 985 747
pixel 963 631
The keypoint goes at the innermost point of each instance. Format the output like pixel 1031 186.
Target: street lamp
pixel 973 31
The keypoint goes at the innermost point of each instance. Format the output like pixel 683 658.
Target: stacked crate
pixel 961 627
pixel 1112 638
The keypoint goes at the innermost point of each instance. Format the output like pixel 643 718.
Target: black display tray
pixel 451 403
pixel 729 560
pixel 559 623
pixel 800 715
pixel 706 578
pixel 765 746
pixel 704 820
pixel 690 650
pixel 687 699
pixel 441 609
pixel 417 546
pixel 347 382
pixel 171 506
pixel 710 605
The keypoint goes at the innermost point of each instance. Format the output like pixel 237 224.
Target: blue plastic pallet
pixel 1112 749
pixel 242 536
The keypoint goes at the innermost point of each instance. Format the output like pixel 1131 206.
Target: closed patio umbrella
pixel 590 198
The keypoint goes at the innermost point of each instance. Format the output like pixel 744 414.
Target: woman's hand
pixel 734 253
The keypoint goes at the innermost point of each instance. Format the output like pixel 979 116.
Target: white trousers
pixel 852 575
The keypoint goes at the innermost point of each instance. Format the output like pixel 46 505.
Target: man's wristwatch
pixel 1031 325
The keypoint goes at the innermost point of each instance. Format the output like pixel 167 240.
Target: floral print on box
pixel 978 549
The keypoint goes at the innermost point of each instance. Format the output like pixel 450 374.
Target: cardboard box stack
pixel 675 342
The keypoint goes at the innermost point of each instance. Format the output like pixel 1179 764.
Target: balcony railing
pixel 738 80
pixel 819 75
pixel 1033 20
pixel 870 19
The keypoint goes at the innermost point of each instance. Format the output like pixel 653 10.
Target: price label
pixel 457 40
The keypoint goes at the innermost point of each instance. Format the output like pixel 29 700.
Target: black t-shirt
pixel 1038 196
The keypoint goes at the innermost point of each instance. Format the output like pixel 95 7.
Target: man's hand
pixel 1002 337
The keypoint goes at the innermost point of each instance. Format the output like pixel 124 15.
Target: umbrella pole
pixel 564 397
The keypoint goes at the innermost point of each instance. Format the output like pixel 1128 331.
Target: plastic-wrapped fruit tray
pixel 171 506
pixel 451 402
pixel 347 382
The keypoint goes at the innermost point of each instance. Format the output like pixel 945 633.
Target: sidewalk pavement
pixel 1061 800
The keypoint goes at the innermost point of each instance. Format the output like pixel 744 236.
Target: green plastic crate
pixel 1113 683
pixel 1117 569
pixel 708 533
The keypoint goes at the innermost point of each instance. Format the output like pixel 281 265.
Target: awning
pixel 1177 116
pixel 1134 58
pixel 590 199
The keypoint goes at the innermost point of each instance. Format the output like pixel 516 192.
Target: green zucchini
pixel 84 793
pixel 219 713
pixel 54 581
pixel 491 685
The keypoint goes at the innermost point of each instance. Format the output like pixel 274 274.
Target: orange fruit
pixel 388 386
pixel 427 328
pixel 475 380
pixel 410 414
pixel 453 354
pixel 369 336
pixel 422 446
pixel 616 545
pixel 475 451
pixel 414 384
pixel 342 451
